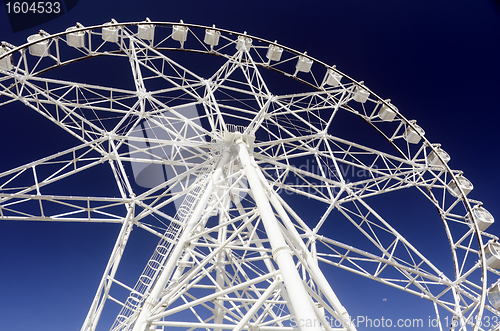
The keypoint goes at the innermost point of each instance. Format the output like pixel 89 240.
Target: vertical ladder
pixel 154 266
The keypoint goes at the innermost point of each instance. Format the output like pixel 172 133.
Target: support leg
pixel 281 252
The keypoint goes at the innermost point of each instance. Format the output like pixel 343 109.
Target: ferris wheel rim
pixel 385 102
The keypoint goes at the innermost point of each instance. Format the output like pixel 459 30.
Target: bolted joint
pixel 278 251
pixel 234 138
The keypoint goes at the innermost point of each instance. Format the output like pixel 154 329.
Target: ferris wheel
pixel 255 167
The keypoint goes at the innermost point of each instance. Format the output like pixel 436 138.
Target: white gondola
pixel 7 62
pixel 179 33
pixel 492 254
pixel 333 78
pixel 304 64
pixel 274 52
pixel 41 48
pixel 211 37
pixel 494 295
pixel 110 33
pixel 463 183
pixel 75 39
pixel 387 113
pixel 433 157
pixel 413 135
pixel 360 94
pixel 483 217
pixel 146 31
pixel 243 41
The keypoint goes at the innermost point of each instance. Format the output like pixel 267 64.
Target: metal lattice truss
pixel 234 157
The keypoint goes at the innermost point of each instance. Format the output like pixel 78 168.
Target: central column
pixel 300 300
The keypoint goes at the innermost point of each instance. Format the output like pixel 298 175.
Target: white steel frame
pixel 235 255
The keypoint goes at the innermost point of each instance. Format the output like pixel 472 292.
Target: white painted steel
pixel 236 246
pixel 171 263
pixel 281 252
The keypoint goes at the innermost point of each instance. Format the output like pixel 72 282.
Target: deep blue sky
pixel 437 60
